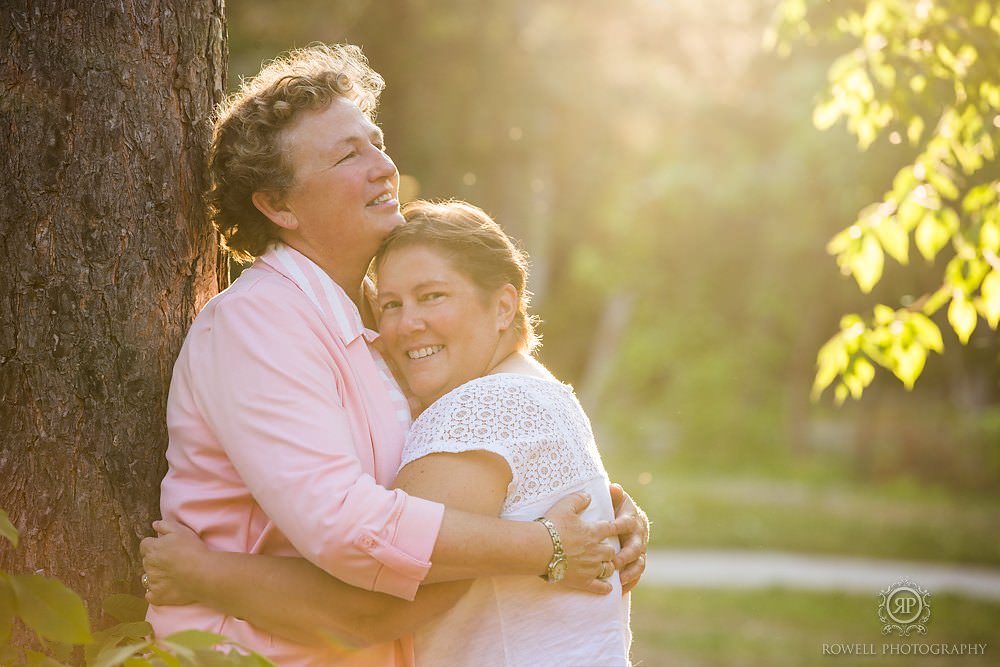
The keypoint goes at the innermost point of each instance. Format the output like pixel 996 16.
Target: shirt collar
pixel 328 297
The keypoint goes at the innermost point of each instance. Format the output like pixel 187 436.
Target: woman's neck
pixel 521 363
pixel 349 273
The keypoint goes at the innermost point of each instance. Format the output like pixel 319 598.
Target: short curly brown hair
pixel 246 153
pixel 476 246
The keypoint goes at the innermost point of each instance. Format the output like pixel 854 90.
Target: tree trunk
pixel 107 256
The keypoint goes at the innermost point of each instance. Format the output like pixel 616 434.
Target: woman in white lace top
pixel 496 434
pixel 451 290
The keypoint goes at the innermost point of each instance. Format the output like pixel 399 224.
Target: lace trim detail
pixel 536 424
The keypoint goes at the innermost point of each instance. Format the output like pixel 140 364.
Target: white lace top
pixel 538 426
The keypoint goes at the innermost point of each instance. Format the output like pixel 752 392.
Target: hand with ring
pixel 607 569
pixel 171 564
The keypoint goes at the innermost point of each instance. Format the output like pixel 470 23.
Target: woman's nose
pixel 383 166
pixel 411 321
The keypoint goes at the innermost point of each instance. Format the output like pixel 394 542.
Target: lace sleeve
pixel 479 415
pixel 537 426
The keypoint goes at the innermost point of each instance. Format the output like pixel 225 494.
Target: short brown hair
pixel 476 246
pixel 246 153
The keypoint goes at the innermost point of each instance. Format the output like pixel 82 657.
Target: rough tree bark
pixel 107 256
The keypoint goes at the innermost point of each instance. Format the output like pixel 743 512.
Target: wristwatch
pixel 557 566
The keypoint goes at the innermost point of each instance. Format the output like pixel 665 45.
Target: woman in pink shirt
pixel 500 436
pixel 286 428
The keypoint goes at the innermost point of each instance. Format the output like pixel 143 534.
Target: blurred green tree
pixel 664 173
pixel 927 73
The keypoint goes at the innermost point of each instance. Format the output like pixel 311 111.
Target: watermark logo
pixel 903 608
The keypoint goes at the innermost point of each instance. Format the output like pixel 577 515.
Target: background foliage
pixel 58 619
pixel 929 72
pixel 661 162
pixel 664 171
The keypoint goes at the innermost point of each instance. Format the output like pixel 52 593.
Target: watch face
pixel 559 570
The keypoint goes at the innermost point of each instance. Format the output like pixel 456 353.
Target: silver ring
pixel 605 573
pixel 145 581
pixel 642 557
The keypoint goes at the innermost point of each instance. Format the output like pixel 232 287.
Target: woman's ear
pixel 507 304
pixel 272 205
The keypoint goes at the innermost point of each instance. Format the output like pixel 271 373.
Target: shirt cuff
pixel 406 560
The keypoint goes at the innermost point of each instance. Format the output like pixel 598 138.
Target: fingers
pixel 630 575
pixel 607 569
pixel 625 525
pixel 617 496
pixel 165 527
pixel 580 501
pixel 589 583
pixel 599 587
pixel 632 546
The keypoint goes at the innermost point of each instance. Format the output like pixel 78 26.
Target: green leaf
pixel 825 115
pixel 884 314
pixel 942 183
pixel 910 214
pixel 50 609
pixel 894 239
pixel 962 316
pixel 981 15
pixel 909 363
pixel 867 265
pixel 114 634
pixel 115 656
pixel 990 304
pixel 195 639
pixel 262 661
pixel 831 360
pixel 915 129
pixel 932 234
pixel 169 659
pixel 927 332
pixel 980 197
pixel 864 370
pixel 36 659
pixel 7 529
pixel 866 131
pixel 989 237
pixel 124 608
pixel 843 240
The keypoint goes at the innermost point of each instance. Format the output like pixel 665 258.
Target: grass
pixel 900 521
pixel 778 628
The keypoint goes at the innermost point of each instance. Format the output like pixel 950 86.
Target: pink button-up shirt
pixel 285 428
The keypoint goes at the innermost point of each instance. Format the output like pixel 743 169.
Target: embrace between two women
pixel 307 515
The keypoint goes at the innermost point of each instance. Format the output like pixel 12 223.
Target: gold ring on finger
pixel 145 580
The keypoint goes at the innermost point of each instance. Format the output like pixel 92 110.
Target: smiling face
pixel 439 327
pixel 343 200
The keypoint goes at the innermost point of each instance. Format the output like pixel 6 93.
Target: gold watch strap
pixel 557 547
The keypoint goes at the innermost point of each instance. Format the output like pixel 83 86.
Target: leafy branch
pixel 928 72
pixel 59 620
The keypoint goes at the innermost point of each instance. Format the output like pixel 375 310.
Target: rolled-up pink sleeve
pixel 272 392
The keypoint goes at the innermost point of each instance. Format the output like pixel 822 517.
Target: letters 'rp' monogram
pixel 903 607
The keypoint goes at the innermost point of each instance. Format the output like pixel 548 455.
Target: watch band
pixel 558 555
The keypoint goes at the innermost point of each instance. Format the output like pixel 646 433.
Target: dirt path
pixel 755 569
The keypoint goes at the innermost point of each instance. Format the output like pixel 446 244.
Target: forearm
pixel 292 598
pixel 474 545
